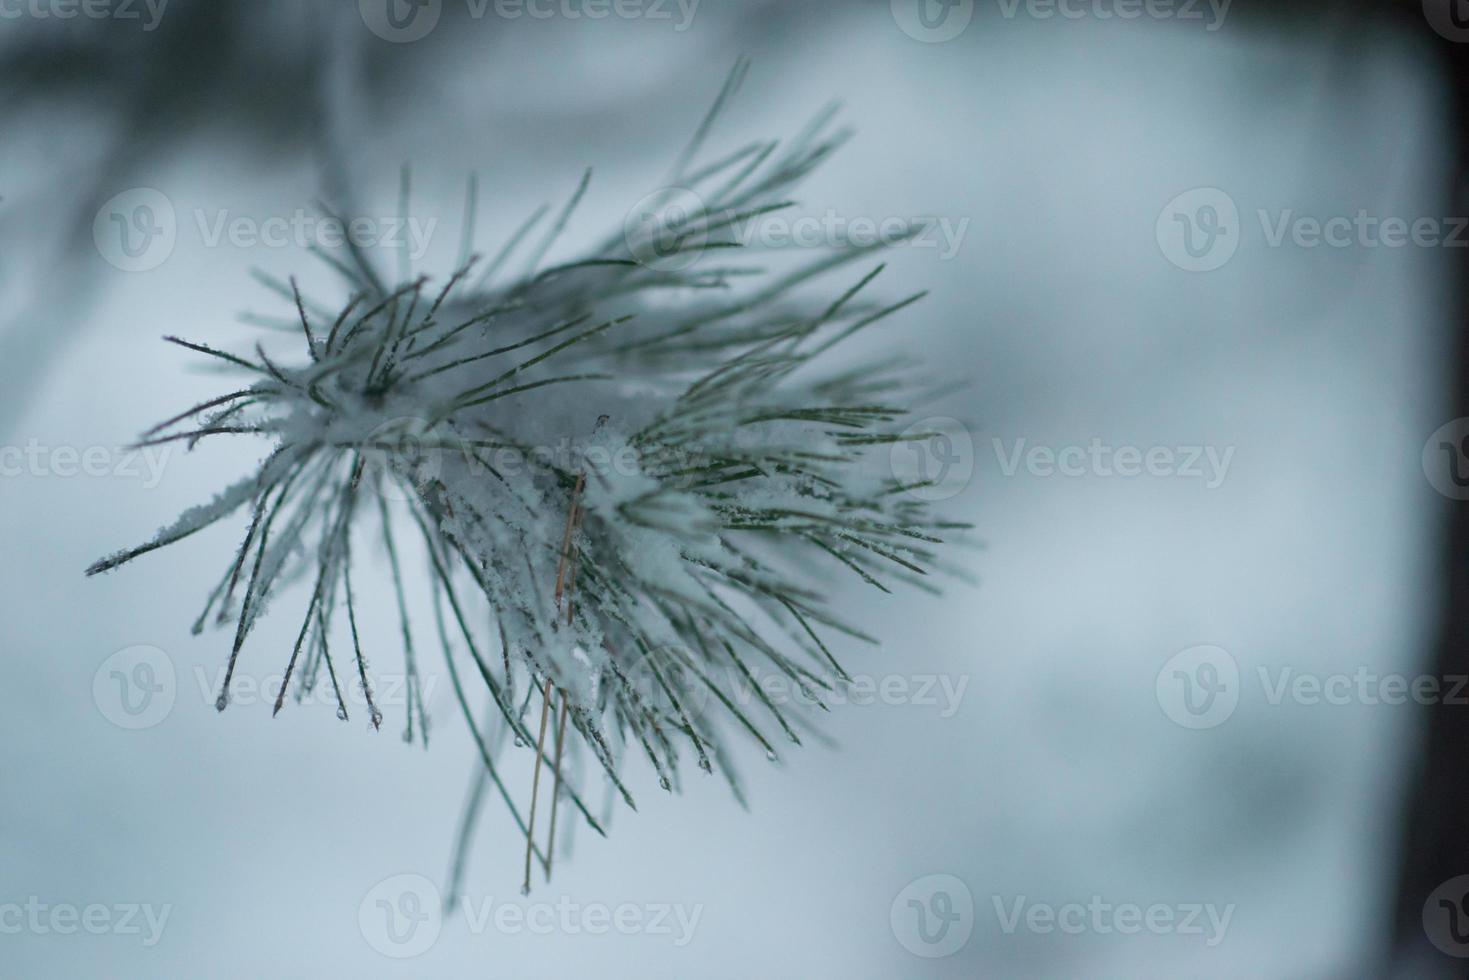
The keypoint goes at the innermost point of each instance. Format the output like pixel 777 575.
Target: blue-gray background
pixel 1060 776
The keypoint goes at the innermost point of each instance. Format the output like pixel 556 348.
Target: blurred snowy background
pixel 1059 772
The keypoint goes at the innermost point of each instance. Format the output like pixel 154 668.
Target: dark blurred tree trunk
pixel 1434 818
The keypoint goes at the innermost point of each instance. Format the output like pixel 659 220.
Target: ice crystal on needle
pixel 633 461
